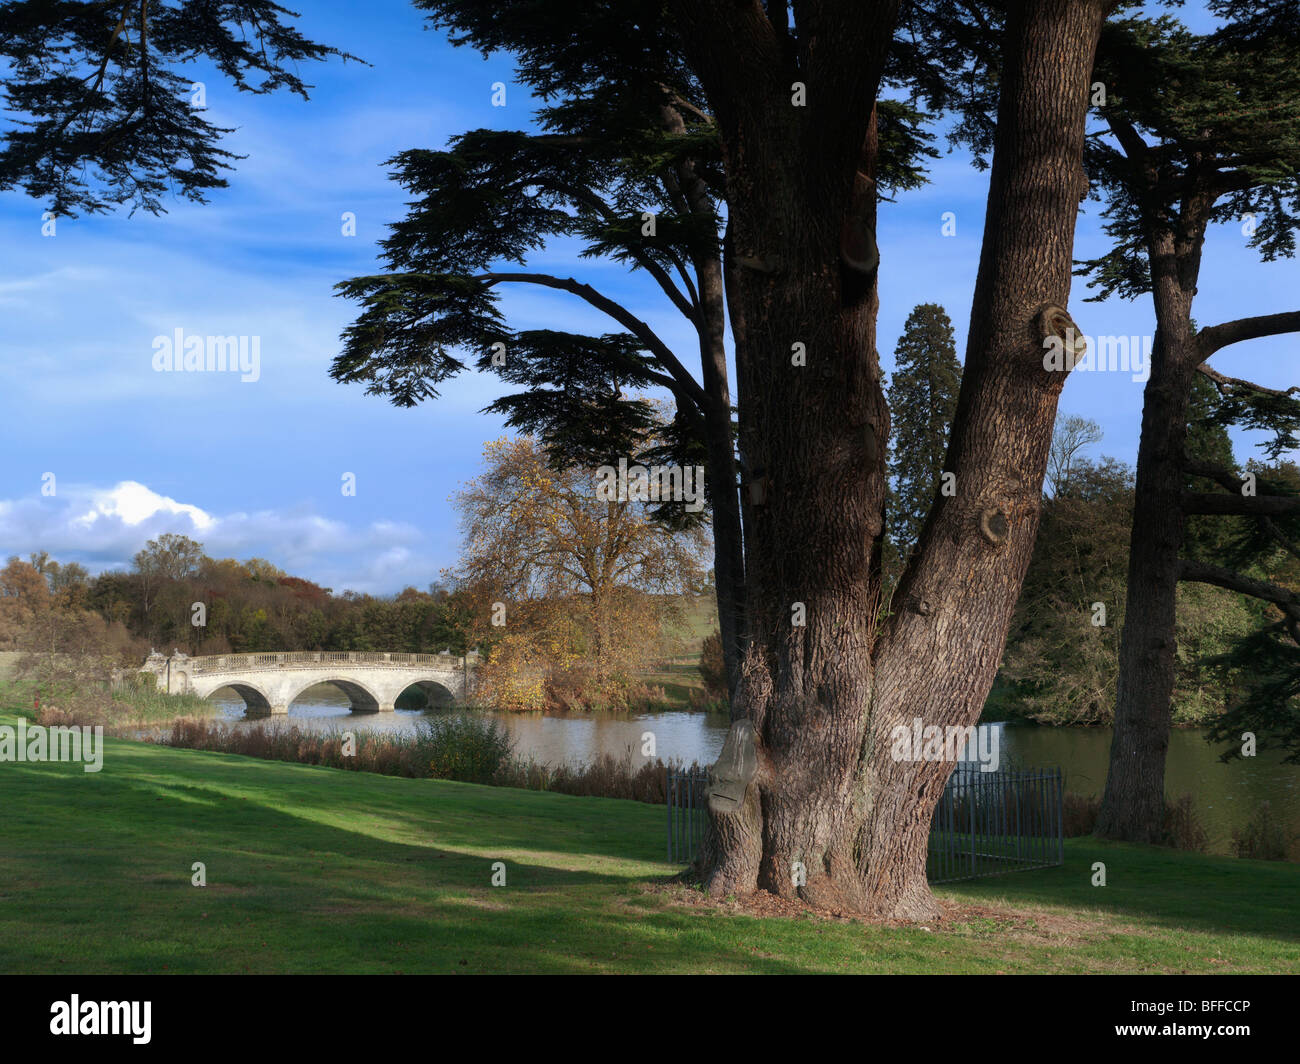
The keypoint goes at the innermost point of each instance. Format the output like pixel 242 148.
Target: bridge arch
pixel 255 699
pixel 436 691
pixel 361 697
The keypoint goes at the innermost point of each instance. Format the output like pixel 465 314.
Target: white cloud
pixel 102 528
pixel 133 503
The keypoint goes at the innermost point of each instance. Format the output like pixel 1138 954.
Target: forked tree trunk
pixel 806 800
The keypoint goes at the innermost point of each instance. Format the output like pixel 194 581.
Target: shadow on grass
pixel 1166 887
pixel 97 876
pixel 313 869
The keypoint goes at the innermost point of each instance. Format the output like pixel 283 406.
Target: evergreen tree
pixel 627 158
pixel 1198 129
pixel 777 115
pixel 922 403
pixel 102 112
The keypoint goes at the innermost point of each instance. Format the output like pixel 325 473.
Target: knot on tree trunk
pixel 761 264
pixel 858 246
pixel 1052 322
pixel 995 524
pixel 735 768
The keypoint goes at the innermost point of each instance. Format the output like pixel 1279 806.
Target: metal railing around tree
pixel 986 823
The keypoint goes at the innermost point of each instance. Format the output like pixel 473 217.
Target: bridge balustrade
pixel 233 662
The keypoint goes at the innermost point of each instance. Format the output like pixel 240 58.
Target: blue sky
pixel 255 469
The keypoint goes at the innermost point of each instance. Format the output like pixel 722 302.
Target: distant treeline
pixel 243 606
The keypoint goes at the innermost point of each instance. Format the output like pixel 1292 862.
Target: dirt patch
pixel 761 904
pixel 478 900
pixel 957 918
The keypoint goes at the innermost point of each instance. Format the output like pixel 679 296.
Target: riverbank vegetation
pixel 633 644
pixel 461 747
pixel 356 872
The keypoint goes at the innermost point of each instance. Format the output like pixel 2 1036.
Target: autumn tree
pixel 24 594
pixel 566 575
pixel 168 558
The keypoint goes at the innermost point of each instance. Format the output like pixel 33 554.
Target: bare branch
pixel 1240 505
pixel 1223 383
pixel 1200 572
pixel 1232 332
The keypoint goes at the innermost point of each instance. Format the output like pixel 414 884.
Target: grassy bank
pixel 312 869
pixel 124 709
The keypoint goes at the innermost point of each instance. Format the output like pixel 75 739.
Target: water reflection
pixel 551 739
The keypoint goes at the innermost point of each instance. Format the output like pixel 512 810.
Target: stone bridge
pixel 269 683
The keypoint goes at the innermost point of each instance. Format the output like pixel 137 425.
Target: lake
pixel 1225 795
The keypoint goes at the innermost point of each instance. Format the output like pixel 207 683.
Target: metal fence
pixel 688 813
pixel 986 823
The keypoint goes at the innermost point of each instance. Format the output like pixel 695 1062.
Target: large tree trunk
pixel 1134 802
pixel 806 800
pixel 1133 805
pixel 728 543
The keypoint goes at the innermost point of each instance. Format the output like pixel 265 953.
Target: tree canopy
pixel 104 111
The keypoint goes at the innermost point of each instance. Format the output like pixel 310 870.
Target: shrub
pixel 1182 827
pixel 1263 838
pixel 458 747
pixel 1079 814
pixel 605 777
pixel 465 748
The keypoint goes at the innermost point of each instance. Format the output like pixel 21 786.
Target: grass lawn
pixel 678 682
pixel 320 870
pixel 699 619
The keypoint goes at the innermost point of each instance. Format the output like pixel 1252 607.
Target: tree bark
pixel 806 800
pixel 1133 804
pixel 728 542
pixel 1132 807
